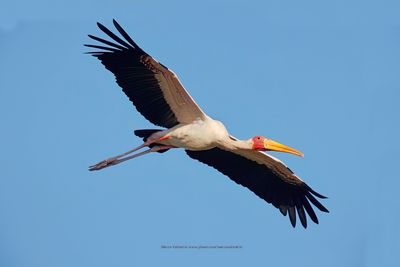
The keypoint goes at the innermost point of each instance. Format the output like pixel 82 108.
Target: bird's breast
pixel 199 135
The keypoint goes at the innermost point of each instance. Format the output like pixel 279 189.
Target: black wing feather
pixel 113 36
pixel 101 47
pixel 316 202
pixel 126 36
pixel 309 209
pixel 101 40
pixel 301 213
pixel 265 183
pixel 292 215
pixel 137 81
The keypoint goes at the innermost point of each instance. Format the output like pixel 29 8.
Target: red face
pixel 258 143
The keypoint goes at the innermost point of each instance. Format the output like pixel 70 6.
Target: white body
pixel 199 135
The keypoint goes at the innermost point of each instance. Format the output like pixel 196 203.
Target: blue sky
pixel 320 76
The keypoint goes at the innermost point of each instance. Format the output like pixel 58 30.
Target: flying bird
pixel 159 96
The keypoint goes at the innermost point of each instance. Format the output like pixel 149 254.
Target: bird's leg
pixel 107 162
pixel 153 149
pixel 132 150
pixel 116 160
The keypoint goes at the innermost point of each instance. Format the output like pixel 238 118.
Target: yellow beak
pixel 275 146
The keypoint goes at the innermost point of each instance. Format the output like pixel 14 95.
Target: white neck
pixel 241 144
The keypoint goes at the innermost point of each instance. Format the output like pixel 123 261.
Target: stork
pixel 159 96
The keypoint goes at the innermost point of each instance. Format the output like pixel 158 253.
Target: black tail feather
pixel 145 133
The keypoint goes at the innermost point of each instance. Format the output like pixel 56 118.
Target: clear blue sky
pixel 321 76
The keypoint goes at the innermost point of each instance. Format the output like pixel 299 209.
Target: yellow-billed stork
pixel 159 96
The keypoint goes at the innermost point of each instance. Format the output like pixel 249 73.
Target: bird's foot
pixel 103 164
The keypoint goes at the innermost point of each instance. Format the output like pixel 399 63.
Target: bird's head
pixel 262 143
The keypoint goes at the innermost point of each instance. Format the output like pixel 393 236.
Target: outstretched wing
pixel 268 178
pixel 154 89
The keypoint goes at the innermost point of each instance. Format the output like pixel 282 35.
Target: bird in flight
pixel 159 96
